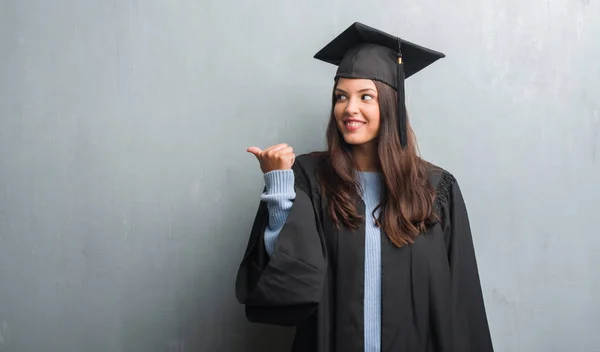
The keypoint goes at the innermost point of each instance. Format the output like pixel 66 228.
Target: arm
pixel 284 288
pixel 471 325
pixel 279 196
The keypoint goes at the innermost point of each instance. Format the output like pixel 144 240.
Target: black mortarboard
pixel 365 52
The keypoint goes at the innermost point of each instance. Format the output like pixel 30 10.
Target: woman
pixel 364 247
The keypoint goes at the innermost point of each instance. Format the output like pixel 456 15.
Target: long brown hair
pixel 407 201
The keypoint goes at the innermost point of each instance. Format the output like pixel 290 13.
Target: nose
pixel 352 107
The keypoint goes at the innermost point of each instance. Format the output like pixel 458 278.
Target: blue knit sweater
pixel 280 196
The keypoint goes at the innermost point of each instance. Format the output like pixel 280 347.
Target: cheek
pixel 338 111
pixel 374 118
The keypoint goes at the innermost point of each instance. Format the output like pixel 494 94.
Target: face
pixel 356 110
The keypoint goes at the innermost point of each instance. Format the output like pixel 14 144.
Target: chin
pixel 353 141
pixel 356 140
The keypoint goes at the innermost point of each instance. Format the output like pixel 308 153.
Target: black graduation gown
pixel 431 298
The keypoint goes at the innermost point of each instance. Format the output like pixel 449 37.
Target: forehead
pixel 355 84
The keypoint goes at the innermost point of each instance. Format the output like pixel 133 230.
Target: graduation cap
pixel 365 52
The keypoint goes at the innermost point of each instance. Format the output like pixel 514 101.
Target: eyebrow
pixel 360 91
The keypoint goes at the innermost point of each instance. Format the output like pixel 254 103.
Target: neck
pixel 365 157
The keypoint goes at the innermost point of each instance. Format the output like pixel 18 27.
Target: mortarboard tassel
pixel 401 100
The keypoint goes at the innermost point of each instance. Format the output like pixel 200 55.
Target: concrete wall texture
pixel 126 194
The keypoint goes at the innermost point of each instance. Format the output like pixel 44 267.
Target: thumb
pixel 255 150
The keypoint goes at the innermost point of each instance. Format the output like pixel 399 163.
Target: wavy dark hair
pixel 406 207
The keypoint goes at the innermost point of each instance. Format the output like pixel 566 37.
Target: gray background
pixel 126 194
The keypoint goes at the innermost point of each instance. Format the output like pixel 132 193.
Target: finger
pixel 272 150
pixel 255 150
pixel 289 156
pixel 284 151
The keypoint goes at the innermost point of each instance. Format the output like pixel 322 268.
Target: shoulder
pixel 310 161
pixel 306 167
pixel 438 176
pixel 443 181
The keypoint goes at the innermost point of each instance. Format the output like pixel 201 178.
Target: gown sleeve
pixel 284 288
pixel 471 330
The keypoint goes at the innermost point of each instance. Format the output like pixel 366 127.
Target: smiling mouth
pixel 353 125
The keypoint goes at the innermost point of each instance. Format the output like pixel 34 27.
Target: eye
pixel 367 97
pixel 339 97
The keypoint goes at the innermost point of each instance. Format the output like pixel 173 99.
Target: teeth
pixel 353 124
